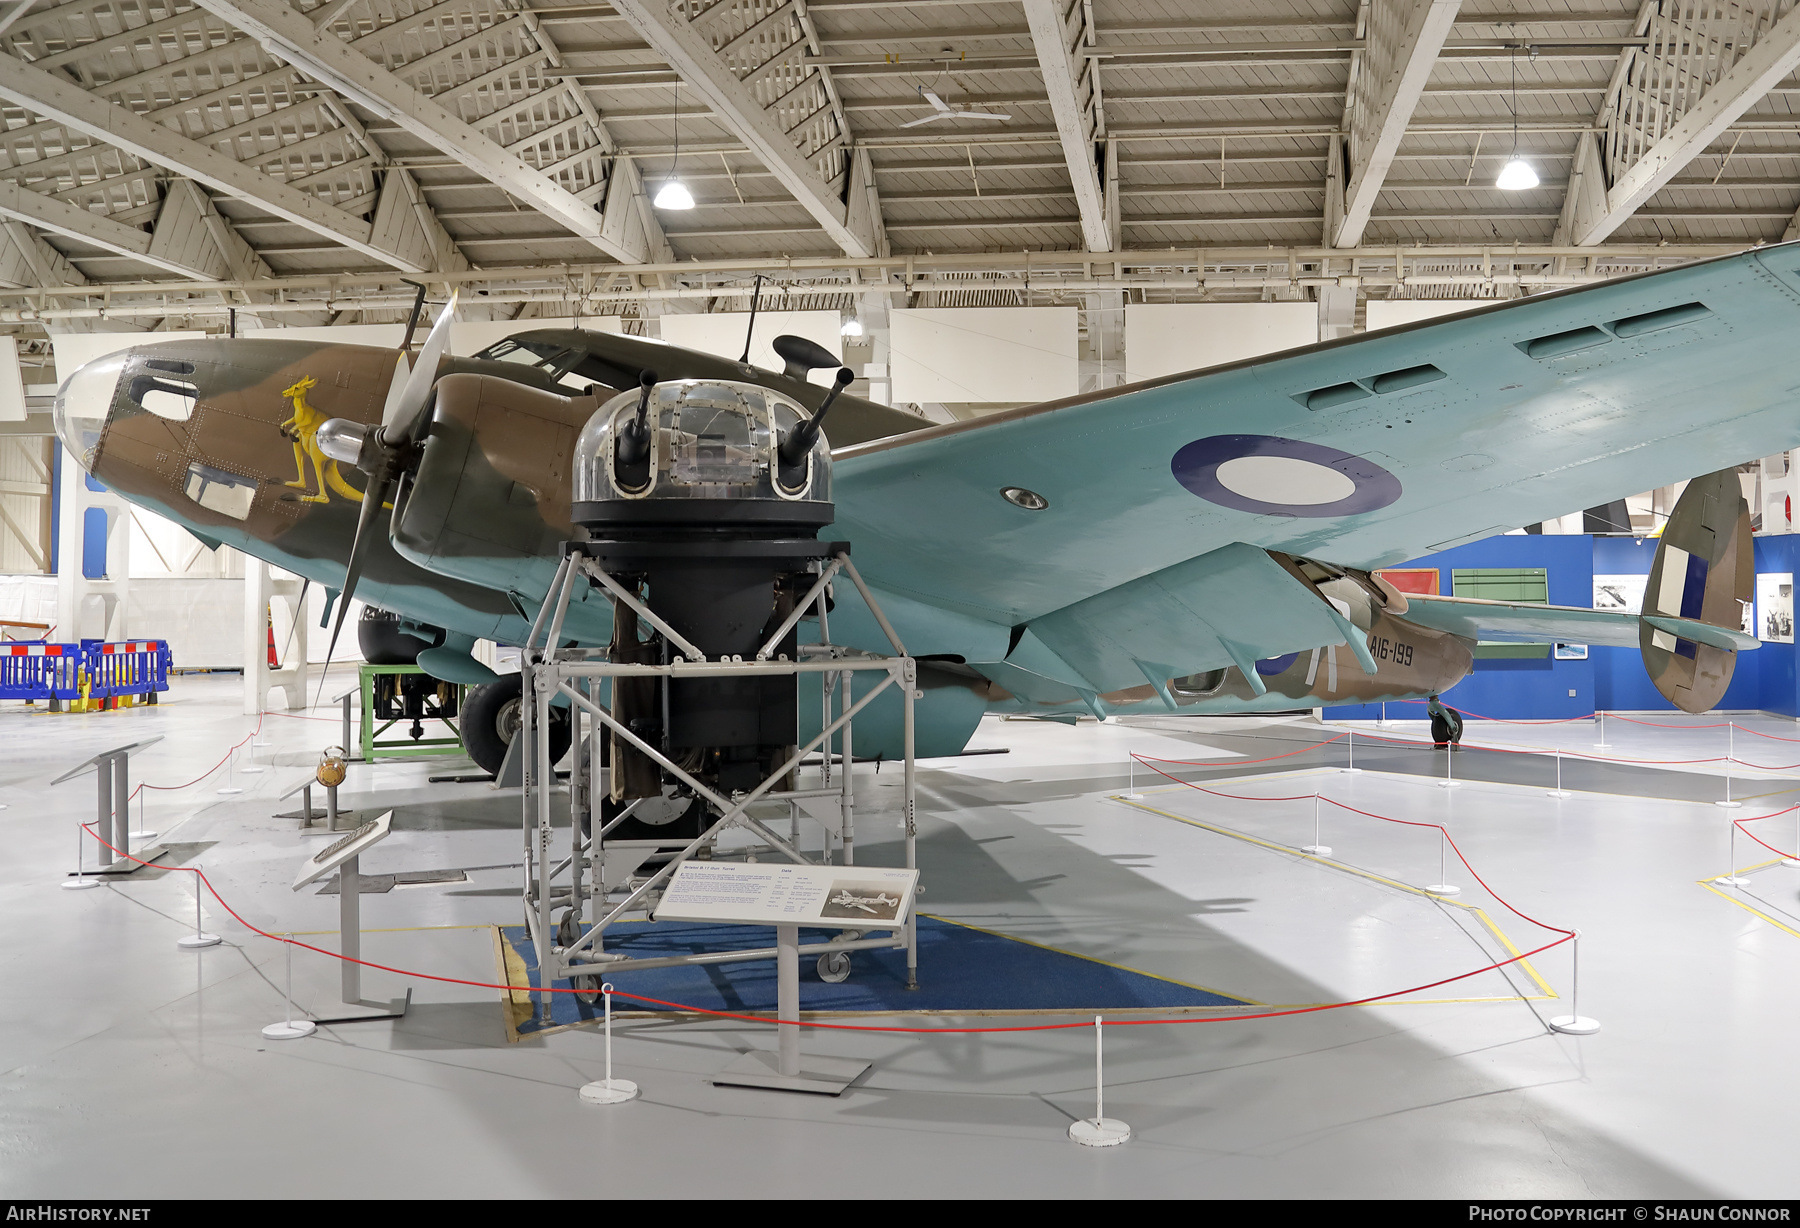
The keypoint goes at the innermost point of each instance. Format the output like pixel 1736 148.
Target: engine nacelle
pixel 489 500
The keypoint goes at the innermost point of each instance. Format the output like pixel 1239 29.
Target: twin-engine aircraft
pixel 1203 543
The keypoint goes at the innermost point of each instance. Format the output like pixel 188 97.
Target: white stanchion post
pixel 230 778
pixel 1730 756
pixel 81 882
pixel 1131 792
pixel 1449 781
pixel 1383 721
pixel 1559 791
pixel 608 1090
pixel 1574 1023
pixel 1730 878
pixel 289 1028
pixel 1099 1130
pixel 199 938
pixel 1442 887
pixel 142 836
pixel 1352 770
pixel 1315 848
pixel 1602 743
pixel 1794 860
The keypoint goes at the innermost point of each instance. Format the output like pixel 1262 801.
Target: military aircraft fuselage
pixel 219 436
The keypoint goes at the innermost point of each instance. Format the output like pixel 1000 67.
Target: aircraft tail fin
pixel 1703 575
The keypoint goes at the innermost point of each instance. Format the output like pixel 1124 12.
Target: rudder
pixel 1704 572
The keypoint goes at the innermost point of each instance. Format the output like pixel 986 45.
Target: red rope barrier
pixel 200 876
pixel 202 776
pixel 1739 824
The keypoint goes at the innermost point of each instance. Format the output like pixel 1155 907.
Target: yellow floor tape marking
pixel 1328 863
pixel 1709 884
pixel 515 1002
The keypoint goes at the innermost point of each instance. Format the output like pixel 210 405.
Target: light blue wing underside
pixel 1545 406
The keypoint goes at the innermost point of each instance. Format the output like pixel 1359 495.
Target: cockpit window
pixel 572 368
pixel 558 361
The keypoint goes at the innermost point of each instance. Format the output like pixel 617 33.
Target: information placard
pixel 849 897
pixel 338 852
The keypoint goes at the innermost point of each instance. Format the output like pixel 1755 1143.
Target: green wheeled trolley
pixel 405 694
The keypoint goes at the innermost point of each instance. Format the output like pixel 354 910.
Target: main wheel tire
pixel 490 719
pixel 382 642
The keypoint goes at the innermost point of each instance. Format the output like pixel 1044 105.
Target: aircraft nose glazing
pixel 82 405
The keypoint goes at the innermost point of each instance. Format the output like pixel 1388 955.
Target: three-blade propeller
pixel 384 452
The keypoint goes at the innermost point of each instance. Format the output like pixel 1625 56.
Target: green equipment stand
pixel 408 747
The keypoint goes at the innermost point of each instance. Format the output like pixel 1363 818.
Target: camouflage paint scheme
pixel 1705 570
pixel 1141 585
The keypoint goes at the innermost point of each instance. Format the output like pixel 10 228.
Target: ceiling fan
pixel 950 110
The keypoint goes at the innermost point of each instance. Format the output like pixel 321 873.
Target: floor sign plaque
pixel 855 897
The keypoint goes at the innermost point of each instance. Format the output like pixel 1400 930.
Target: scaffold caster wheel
pixel 568 930
pixel 587 988
pixel 834 966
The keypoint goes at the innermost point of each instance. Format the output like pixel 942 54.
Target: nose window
pixel 165 397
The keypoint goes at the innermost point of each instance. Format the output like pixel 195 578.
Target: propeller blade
pixel 374 495
pixel 396 388
pixel 404 417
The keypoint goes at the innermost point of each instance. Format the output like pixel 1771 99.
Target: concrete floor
pixel 135 1068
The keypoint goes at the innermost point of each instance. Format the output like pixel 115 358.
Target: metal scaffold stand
pixel 595 884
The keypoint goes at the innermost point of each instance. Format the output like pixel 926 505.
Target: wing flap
pixel 1231 606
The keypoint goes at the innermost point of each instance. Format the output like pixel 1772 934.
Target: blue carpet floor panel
pixel 961 969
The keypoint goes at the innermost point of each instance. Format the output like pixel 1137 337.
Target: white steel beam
pixel 687 51
pixel 1774 56
pixel 1064 80
pixel 59 217
pixel 58 99
pixel 1405 37
pixel 329 59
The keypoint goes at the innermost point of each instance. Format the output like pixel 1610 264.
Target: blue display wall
pixel 1612 679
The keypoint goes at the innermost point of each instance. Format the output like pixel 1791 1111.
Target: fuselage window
pixel 219 491
pixel 1194 686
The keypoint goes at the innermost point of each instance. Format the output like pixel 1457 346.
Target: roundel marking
pixel 1276 665
pixel 1269 475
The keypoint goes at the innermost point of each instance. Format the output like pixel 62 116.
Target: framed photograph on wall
pixel 1571 652
pixel 1775 607
pixel 1624 593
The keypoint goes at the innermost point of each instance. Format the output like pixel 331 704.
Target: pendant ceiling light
pixel 1517 175
pixel 674 194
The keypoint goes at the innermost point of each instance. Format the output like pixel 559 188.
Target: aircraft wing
pixel 1364 451
pixel 1522 622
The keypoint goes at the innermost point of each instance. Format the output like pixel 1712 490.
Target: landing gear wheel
pixel 490 721
pixel 834 966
